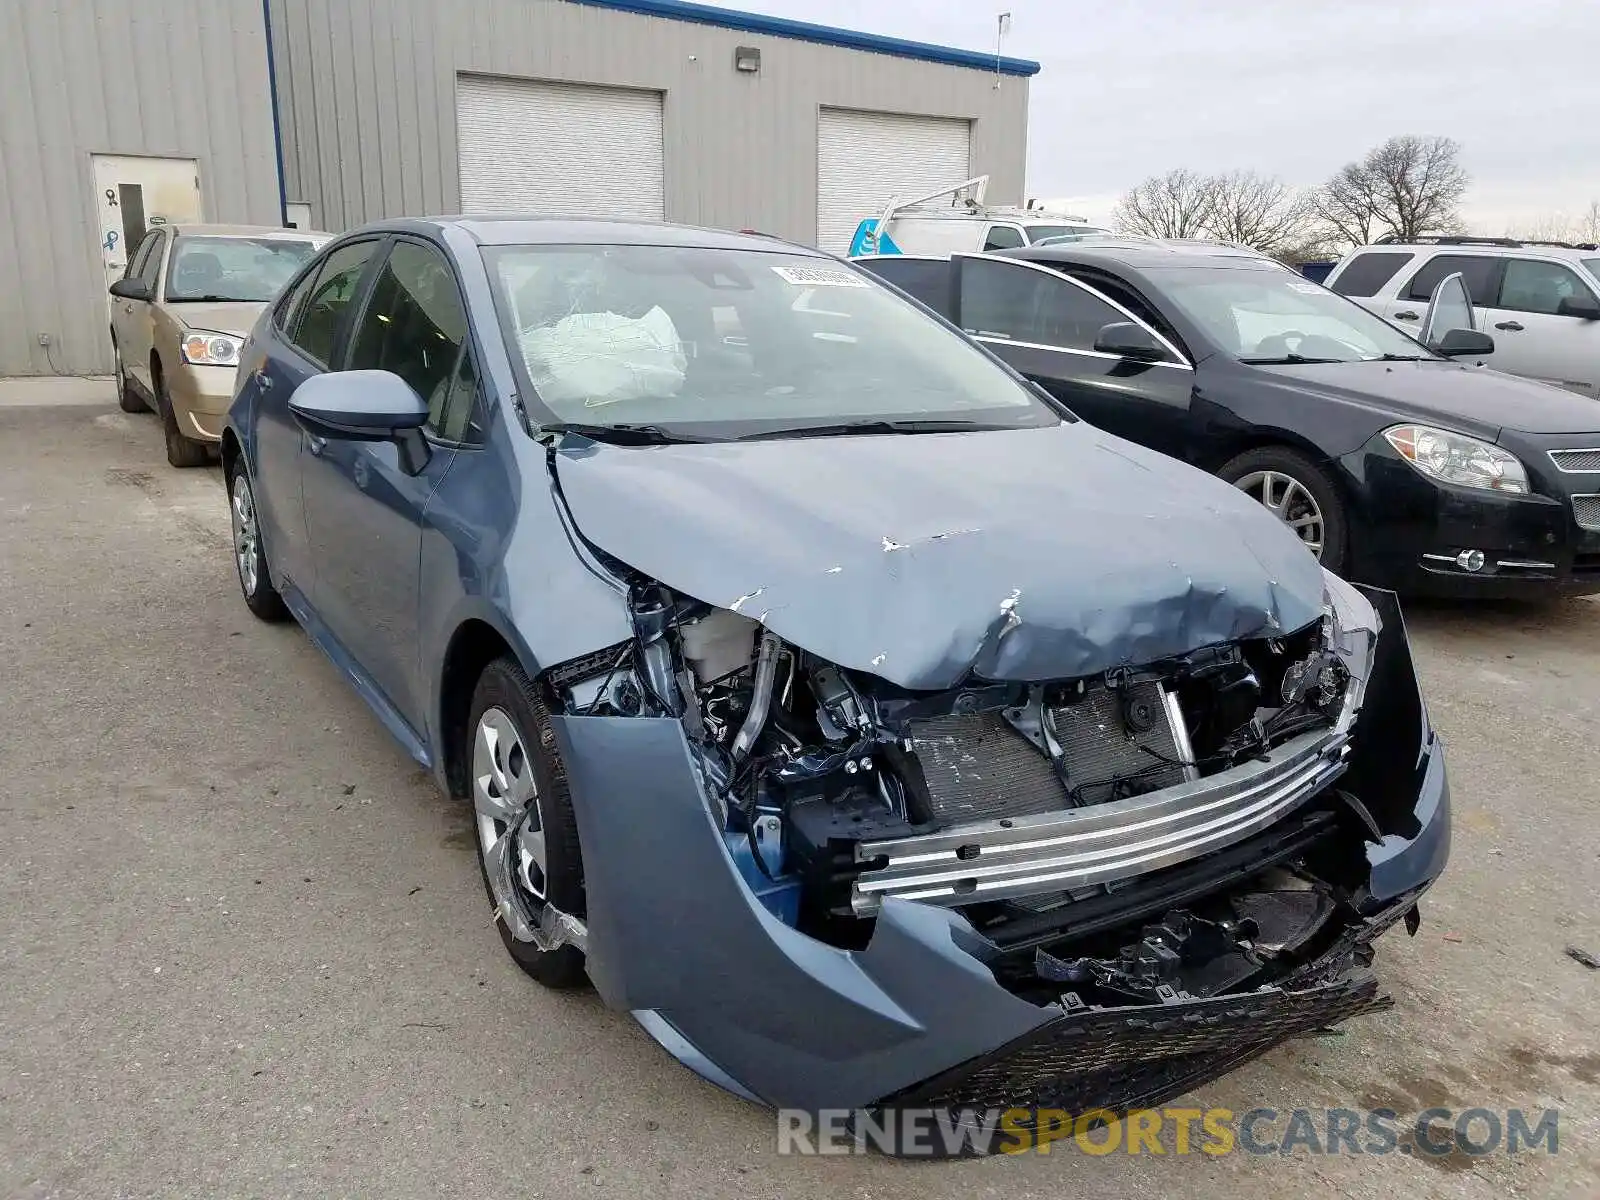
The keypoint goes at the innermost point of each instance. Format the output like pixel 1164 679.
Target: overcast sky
pixel 1132 88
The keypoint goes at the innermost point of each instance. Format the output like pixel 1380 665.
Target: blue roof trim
pixel 727 18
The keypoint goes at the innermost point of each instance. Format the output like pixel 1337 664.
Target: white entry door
pixel 134 193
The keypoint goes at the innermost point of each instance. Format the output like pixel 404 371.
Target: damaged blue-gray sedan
pixel 876 732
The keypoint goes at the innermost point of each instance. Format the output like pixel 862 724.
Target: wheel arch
pixel 473 645
pixel 1287 439
pixel 231 451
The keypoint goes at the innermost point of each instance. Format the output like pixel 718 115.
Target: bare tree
pixel 1588 224
pixel 1258 211
pixel 1406 187
pixel 1559 227
pixel 1176 205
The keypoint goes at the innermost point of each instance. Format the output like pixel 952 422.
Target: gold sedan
pixel 180 314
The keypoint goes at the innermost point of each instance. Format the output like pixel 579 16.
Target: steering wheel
pixel 1278 344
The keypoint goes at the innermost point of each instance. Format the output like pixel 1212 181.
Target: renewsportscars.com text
pixel 941 1132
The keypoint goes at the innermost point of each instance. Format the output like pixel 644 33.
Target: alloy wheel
pixel 245 534
pixel 505 800
pixel 1290 501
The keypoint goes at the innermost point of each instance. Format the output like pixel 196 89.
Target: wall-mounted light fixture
pixel 747 58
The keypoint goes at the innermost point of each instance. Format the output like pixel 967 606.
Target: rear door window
pixel 926 279
pixel 1480 273
pixel 316 332
pixel 1364 274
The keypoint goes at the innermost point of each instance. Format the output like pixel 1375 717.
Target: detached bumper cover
pixel 676 937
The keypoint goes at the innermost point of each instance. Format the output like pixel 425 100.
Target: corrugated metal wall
pixel 173 78
pixel 367 103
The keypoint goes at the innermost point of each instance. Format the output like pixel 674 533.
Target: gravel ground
pixel 244 950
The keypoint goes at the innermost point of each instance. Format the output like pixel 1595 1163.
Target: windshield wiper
pixel 1400 358
pixel 624 435
pixel 1283 359
pixel 211 298
pixel 850 428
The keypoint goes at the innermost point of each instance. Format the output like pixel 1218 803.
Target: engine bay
pixel 824 779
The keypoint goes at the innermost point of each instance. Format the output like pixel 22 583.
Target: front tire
pixel 181 451
pixel 527 838
pixel 1300 494
pixel 249 555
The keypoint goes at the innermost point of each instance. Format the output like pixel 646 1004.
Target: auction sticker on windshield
pixel 820 277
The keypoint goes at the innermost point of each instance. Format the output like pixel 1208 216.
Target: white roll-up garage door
pixel 866 159
pixel 529 146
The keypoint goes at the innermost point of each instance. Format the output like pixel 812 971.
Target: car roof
pixel 1492 247
pixel 1139 254
pixel 512 229
pixel 186 229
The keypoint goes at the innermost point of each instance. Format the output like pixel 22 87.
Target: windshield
pixel 730 343
pixel 1060 233
pixel 1275 316
pixel 233 268
pixel 1594 266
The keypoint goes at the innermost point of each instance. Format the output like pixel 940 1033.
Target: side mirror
pixel 1460 343
pixel 131 289
pixel 362 406
pixel 1129 340
pixel 1574 306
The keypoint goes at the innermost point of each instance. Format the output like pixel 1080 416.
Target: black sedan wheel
pixel 527 835
pixel 1299 493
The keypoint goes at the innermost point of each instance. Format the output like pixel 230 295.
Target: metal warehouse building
pixel 330 113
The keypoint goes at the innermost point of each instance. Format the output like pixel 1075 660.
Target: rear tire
pixel 1296 489
pixel 249 554
pixel 127 399
pixel 522 813
pixel 181 451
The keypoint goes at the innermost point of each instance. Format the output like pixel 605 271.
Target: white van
pixel 963 224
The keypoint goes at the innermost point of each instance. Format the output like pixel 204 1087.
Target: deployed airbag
pixel 602 358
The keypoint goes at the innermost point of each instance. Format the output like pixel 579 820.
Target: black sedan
pixel 1395 464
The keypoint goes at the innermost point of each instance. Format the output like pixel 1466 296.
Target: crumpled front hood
pixel 1030 554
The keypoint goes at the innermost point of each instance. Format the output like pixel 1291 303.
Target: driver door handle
pixel 264 381
pixel 1408 315
pixel 316 444
pixel 1512 326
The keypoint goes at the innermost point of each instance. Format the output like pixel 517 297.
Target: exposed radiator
pixel 979 768
pixel 1098 745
